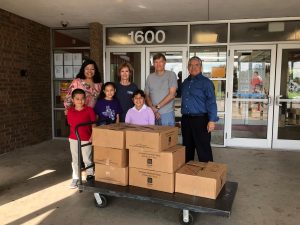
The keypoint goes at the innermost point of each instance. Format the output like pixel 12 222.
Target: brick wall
pixel 96 44
pixel 25 101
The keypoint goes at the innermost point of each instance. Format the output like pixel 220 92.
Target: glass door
pixel 176 59
pixel 286 133
pixel 116 56
pixel 176 62
pixel 250 94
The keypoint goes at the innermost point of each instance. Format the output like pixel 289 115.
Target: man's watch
pixel 157 106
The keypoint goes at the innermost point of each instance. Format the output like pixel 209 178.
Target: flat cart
pixel 186 203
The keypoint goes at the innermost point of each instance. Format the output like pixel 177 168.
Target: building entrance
pixel 142 62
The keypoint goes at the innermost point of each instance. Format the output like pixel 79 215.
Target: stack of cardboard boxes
pixel 110 154
pixel 149 157
pixel 154 157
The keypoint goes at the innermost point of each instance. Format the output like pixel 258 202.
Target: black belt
pixel 195 115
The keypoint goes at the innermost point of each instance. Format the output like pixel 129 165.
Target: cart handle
pixel 80 146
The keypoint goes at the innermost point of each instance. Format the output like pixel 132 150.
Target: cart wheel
pixel 100 200
pixel 189 220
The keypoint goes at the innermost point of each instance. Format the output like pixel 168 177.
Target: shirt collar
pixel 195 77
pixel 143 107
pixel 73 108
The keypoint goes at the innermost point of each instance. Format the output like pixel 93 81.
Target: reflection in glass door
pixel 115 57
pixel 250 96
pixel 287 102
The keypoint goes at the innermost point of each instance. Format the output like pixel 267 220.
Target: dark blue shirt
pixel 198 97
pixel 108 109
pixel 124 95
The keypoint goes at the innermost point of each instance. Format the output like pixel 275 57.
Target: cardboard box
pixel 217 72
pixel 112 175
pixel 111 136
pixel 150 179
pixel 111 156
pixel 201 179
pixel 167 161
pixel 151 138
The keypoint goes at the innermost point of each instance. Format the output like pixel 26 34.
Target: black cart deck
pixel 220 206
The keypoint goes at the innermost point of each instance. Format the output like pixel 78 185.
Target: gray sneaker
pixel 74 184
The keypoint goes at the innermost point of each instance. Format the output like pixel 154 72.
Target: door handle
pixel 277 100
pixel 269 100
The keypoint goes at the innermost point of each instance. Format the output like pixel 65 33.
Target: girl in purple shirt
pixel 108 107
pixel 140 114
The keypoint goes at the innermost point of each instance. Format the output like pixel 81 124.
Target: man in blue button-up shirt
pixel 199 112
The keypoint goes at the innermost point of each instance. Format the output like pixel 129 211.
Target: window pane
pixel 134 58
pixel 289 112
pixel 214 60
pixel 67 63
pixel 71 38
pixel 220 87
pixel 60 91
pixel 249 119
pixel 208 33
pixel 217 136
pixel 250 93
pixel 265 31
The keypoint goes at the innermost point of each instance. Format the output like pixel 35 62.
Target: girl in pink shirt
pixel 140 114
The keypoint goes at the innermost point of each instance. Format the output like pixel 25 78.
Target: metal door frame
pixel 248 142
pixel 281 143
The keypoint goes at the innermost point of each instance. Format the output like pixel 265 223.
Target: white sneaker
pixel 74 184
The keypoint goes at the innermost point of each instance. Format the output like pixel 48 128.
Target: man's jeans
pixel 166 119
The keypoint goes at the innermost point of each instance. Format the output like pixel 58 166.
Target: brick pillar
pixel 96 45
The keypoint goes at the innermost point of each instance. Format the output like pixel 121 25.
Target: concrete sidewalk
pixel 34 190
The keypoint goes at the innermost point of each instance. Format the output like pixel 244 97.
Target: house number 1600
pixel 149 36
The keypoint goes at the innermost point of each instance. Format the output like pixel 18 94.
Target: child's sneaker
pixel 74 184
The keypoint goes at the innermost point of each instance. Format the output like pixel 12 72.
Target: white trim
pixel 286 145
pixel 282 143
pixel 145 46
pixel 248 143
pixel 208 44
pixel 262 43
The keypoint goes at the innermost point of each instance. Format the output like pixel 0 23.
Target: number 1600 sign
pixel 149 37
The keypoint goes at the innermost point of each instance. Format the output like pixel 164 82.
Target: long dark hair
pixel 96 77
pixel 102 95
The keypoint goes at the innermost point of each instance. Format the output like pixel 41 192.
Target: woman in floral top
pixel 89 80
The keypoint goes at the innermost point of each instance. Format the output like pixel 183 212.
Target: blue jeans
pixel 166 119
